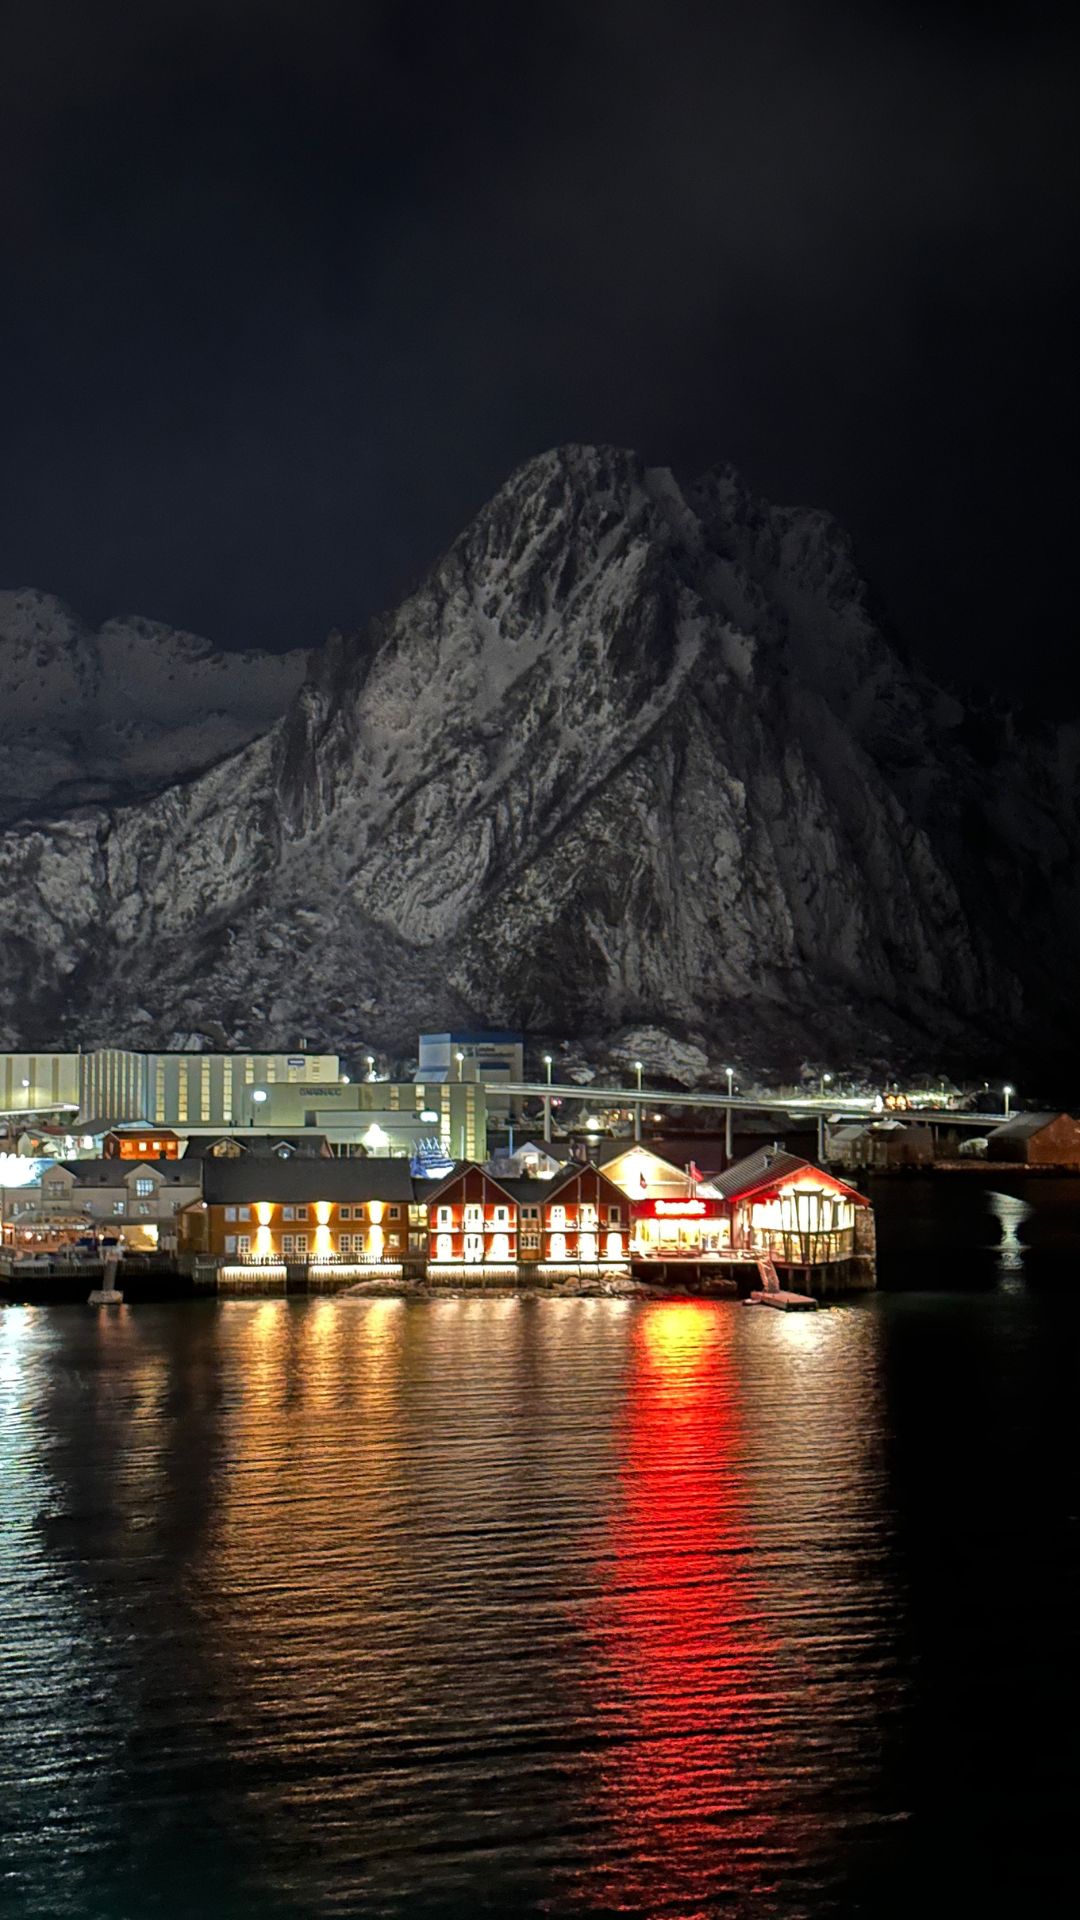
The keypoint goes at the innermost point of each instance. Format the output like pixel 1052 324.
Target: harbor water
pixel 549 1607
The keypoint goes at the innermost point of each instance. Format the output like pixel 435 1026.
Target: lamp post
pixel 547 1098
pixel 459 1057
pixel 547 1067
pixel 1008 1092
pixel 639 1070
pixel 258 1095
pixel 371 1066
pixel 826 1081
pixel 728 1139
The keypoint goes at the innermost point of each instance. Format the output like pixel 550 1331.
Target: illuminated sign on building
pixel 678 1209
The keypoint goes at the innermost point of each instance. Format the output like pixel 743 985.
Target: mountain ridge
pixel 632 752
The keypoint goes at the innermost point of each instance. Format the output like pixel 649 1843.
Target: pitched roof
pixel 312 1145
pixel 1026 1124
pixel 305 1178
pixel 762 1170
pixel 115 1172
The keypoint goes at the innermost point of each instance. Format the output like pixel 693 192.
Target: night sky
pixel 291 285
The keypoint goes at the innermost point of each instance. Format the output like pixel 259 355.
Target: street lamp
pixel 258 1095
pixel 459 1057
pixel 547 1064
pixel 371 1066
pixel 730 1071
pixel 1008 1092
pixel 826 1081
pixel 639 1070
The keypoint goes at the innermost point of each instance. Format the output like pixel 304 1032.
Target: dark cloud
pixel 291 287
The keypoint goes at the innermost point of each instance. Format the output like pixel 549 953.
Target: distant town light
pixel 259 1094
pixel 345 1080
pixel 429 1116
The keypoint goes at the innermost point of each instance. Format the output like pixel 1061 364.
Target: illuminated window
pixel 530 1242
pixel 393 1240
pixel 243 1213
pixel 558 1216
pixel 144 1185
pixel 243 1243
pixel 230 1213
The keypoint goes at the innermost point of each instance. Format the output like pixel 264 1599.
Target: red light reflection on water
pixel 680 1641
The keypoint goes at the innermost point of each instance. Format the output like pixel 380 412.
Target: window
pixel 243 1244
pixel 243 1213
pixel 230 1243
pixel 141 1208
pixel 301 1214
pixel 288 1213
pixel 614 1215
pixel 230 1213
pixel 118 1206
pixel 393 1213
pixel 558 1216
pixel 144 1186
pixel 502 1216
pixel 444 1217
pixel 474 1217
pixel 294 1243
pixel 393 1240
pixel 530 1213
pixel 346 1213
pixel 530 1242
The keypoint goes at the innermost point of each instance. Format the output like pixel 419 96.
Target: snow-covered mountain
pixel 632 753
pixel 115 713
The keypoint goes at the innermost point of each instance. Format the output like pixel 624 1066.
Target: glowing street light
pixel 547 1064
pixel 826 1081
pixel 1008 1092
pixel 730 1071
pixel 371 1066
pixel 639 1070
pixel 459 1057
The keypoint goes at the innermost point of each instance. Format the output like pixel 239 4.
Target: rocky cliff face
pixel 119 712
pixel 632 753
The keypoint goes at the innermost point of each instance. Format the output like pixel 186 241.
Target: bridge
pixel 809 1106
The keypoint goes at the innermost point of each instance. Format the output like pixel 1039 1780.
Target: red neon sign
pixel 678 1209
